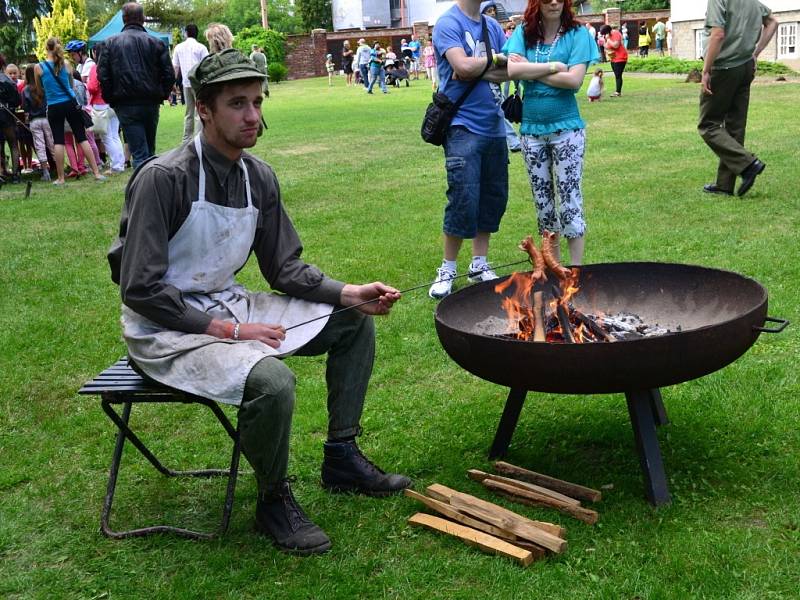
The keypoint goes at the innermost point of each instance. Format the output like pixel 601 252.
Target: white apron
pixel 211 245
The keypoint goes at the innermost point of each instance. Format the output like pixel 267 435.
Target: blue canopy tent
pixel 115 25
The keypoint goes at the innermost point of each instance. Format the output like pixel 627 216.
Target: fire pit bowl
pixel 715 317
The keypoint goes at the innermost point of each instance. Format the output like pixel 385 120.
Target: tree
pixel 66 21
pixel 16 25
pixel 316 14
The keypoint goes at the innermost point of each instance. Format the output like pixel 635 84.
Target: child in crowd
pixel 329 67
pixel 595 89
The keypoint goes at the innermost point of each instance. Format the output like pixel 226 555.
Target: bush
pixel 277 72
pixel 668 64
pixel 273 42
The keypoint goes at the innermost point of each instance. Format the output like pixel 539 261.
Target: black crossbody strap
pixel 59 82
pixel 489 58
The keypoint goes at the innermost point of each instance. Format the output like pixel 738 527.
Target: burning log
pixel 565 487
pixel 593 326
pixel 563 320
pixel 484 541
pixel 538 313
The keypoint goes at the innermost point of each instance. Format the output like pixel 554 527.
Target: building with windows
pixel 688 32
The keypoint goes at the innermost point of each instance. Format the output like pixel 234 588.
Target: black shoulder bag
pixel 441 111
pixel 87 118
pixel 512 106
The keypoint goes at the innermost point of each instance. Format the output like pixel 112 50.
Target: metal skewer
pixel 411 289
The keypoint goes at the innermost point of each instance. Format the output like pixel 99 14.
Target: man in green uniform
pixel 737 31
pixel 191 219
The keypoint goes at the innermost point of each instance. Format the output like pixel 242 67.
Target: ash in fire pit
pixel 628 326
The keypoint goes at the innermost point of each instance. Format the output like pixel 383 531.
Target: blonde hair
pixel 53 46
pixel 219 37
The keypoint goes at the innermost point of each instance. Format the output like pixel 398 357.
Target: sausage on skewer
pixel 536 258
pixel 550 258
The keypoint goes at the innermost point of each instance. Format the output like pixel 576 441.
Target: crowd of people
pixel 99 107
pixel 368 65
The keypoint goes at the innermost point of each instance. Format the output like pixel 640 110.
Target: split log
pixel 537 551
pixel 451 513
pixel 508 520
pixel 532 498
pixel 445 494
pixel 565 487
pixel 484 541
pixel 477 475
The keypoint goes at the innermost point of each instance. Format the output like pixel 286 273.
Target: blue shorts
pixel 477 182
pixel 659 44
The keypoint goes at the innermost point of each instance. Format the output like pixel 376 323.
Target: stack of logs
pixel 498 530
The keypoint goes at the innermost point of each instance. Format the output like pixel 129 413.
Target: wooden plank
pixel 477 475
pixel 508 520
pixel 451 513
pixel 444 494
pixel 572 490
pixel 537 551
pixel 484 541
pixel 532 498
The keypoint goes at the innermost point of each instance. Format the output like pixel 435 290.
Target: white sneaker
pixel 478 273
pixel 443 284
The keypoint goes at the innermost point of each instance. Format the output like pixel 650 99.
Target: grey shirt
pixel 742 21
pixel 158 199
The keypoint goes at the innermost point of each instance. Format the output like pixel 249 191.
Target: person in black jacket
pixel 135 75
pixel 9 101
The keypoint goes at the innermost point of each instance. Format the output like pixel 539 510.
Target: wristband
pixel 552 67
pixel 494 59
pixel 236 332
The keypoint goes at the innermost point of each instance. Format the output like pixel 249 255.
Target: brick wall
pixel 305 54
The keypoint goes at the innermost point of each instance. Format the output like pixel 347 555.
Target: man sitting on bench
pixel 190 221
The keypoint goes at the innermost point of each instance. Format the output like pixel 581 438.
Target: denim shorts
pixel 477 182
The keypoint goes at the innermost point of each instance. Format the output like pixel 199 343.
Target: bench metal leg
pixel 644 420
pixel 508 422
pixel 124 432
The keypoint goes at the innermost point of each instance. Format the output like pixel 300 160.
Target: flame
pixel 518 306
pixel 522 318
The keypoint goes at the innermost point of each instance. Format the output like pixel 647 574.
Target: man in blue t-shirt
pixel 415 47
pixel 476 156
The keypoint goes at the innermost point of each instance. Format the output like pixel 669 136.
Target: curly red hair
pixel 533 21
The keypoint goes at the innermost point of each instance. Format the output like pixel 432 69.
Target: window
pixel 787 40
pixel 699 42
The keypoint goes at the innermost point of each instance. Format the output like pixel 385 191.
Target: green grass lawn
pixel 366 195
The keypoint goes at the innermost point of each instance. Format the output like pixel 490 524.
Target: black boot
pixel 280 517
pixel 346 469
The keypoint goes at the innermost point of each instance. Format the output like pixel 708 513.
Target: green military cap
pixel 221 67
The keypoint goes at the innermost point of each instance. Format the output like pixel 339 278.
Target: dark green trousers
pixel 265 416
pixel 723 120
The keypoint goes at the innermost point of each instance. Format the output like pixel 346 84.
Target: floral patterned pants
pixel 555 164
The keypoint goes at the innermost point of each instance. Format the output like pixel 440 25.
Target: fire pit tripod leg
pixel 508 422
pixel 645 416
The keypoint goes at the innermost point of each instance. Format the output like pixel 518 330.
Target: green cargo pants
pixel 723 119
pixel 265 416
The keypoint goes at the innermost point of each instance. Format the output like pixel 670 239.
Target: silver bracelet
pixel 236 331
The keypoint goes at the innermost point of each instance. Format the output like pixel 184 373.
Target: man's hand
pixel 385 296
pixel 269 334
pixel 705 83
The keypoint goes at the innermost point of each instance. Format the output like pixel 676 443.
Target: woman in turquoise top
pixel 54 81
pixel 550 52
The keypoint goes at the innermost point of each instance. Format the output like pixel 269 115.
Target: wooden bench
pixel 120 384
